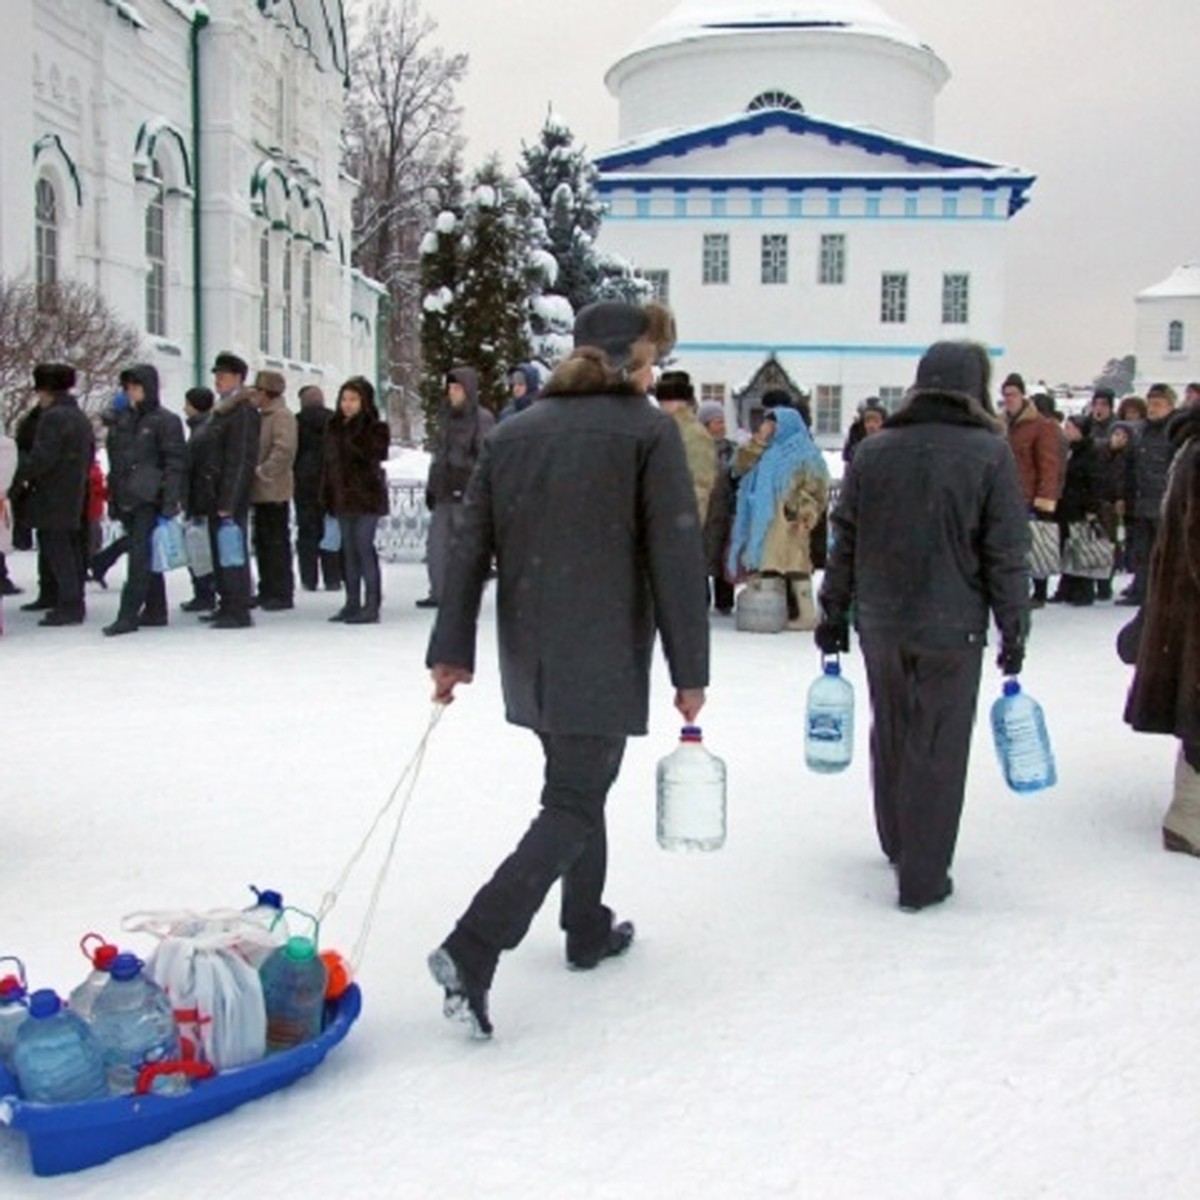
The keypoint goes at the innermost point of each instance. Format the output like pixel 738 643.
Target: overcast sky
pixel 1099 98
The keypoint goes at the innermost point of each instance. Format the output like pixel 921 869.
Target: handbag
pixel 1044 554
pixel 331 535
pixel 199 548
pixel 1088 553
pixel 167 549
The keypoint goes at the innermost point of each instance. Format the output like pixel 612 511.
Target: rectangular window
pixel 287 300
pixel 46 244
pixel 833 258
pixel 264 302
pixel 660 285
pixel 716 258
pixel 156 262
pixel 891 397
pixel 774 258
pixel 829 408
pixel 893 309
pixel 1175 337
pixel 306 307
pixel 712 392
pixel 956 299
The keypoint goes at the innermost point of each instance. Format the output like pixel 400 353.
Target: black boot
pixel 618 940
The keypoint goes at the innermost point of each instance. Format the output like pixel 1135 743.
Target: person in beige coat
pixel 677 398
pixel 271 494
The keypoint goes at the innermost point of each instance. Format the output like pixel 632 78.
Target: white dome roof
pixel 693 19
pixel 1182 283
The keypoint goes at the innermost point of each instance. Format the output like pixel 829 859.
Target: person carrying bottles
pixel 930 533
pixel 587 505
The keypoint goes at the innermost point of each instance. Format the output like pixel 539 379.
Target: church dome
pixel 842 60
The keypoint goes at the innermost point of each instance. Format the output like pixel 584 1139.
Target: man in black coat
pixel 314 562
pixel 1152 454
pixel 50 488
pixel 147 479
pixel 586 502
pixel 930 533
pixel 197 411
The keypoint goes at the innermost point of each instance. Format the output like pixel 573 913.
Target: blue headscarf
pixel 791 450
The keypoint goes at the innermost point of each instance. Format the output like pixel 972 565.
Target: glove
pixel 832 635
pixel 1011 658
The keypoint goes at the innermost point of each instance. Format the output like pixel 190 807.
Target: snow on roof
pixel 1183 282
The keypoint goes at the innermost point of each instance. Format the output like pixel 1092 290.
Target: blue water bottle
pixel 231 544
pixel 1022 742
pixel 135 1026
pixel 829 721
pixel 14 1010
pixel 293 982
pixel 57 1057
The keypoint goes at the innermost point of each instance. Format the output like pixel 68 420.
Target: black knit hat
pixel 200 398
pixel 53 377
pixel 1012 379
pixel 954 369
pixel 675 385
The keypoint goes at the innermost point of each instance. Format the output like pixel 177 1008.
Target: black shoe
pixel 253 602
pixel 38 604
pixel 155 622
pixel 198 606
pixel 344 614
pixel 119 627
pixel 228 620
pixel 8 588
pixel 1104 590
pixel 364 616
pixel 912 904
pixel 464 1000
pixel 57 616
pixel 427 602
pixel 274 605
pixel 619 939
pixel 1036 602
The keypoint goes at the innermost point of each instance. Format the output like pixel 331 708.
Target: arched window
pixel 287 299
pixel 264 283
pixel 774 98
pixel 156 257
pixel 46 234
pixel 306 307
pixel 1175 337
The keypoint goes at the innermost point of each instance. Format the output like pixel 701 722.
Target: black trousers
pixel 1142 534
pixel 233 583
pixel 273 551
pixel 313 561
pixel 566 841
pixel 923 705
pixel 59 552
pixel 145 591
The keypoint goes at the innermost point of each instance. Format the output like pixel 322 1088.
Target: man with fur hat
pixel 677 398
pixel 271 493
pixel 930 534
pixel 462 425
pixel 51 487
pixel 586 505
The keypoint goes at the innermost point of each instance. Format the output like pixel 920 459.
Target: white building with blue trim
pixel 184 157
pixel 778 182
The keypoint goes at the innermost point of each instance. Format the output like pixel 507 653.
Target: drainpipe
pixel 199 21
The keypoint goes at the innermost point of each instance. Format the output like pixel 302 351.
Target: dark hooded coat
pixel 199 464
pixel 459 441
pixel 235 429
pixel 146 452
pixel 1165 695
pixel 354 483
pixel 51 482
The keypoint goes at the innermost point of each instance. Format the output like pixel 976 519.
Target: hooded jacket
pixel 533 385
pixel 52 475
pixel 458 441
pixel 147 453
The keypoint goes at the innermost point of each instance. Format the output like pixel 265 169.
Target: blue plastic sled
pixel 71 1137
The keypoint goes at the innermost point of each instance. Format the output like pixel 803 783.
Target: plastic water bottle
pixel 14 1010
pixel 691 796
pixel 134 1024
pixel 231 545
pixel 101 954
pixel 829 721
pixel 57 1057
pixel 1022 743
pixel 293 983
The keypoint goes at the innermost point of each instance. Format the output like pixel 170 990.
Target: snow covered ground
pixel 780 1029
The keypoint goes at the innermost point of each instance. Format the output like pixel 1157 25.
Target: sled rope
pixel 406 783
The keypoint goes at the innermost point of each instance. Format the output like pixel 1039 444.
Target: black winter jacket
pixel 199 465
pixel 235 428
pixel 1152 454
pixel 146 452
pixel 1083 483
pixel 458 441
pixel 311 424
pixel 50 485
pixel 931 530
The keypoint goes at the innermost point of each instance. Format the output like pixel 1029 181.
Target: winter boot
pixel 618 940
pixel 1181 825
pixel 915 903
pixel 464 999
pixel 805 615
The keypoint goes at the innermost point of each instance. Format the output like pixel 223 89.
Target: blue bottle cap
pixel 831 666
pixel 268 898
pixel 690 733
pixel 126 966
pixel 1011 687
pixel 44 1003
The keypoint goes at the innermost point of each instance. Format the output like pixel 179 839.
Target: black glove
pixel 1011 658
pixel 832 635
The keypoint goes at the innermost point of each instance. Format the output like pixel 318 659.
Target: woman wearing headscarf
pixel 780 501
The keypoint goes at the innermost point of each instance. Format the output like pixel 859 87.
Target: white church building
pixel 184 158
pixel 777 180
pixel 1167 342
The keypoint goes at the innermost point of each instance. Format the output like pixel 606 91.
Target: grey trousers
pixel 923 703
pixel 443 524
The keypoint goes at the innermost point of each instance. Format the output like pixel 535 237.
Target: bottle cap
pixel 1011 687
pixel 268 898
pixel 44 1003
pixel 300 949
pixel 831 666
pixel 98 950
pixel 690 733
pixel 337 974
pixel 11 988
pixel 126 966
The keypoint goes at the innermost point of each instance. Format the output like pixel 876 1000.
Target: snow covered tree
pixel 1118 374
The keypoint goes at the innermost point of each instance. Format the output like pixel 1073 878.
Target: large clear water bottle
pixel 14 1010
pixel 100 954
pixel 293 983
pixel 691 796
pixel 1022 742
pixel 57 1058
pixel 829 721
pixel 134 1023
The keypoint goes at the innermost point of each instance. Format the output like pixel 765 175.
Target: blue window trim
pixel 810 348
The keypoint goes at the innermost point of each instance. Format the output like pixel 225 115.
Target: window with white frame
pixel 891 397
pixel 774 258
pixel 287 300
pixel 829 408
pixel 956 298
pixel 716 258
pixel 833 258
pixel 660 285
pixel 45 213
pixel 156 256
pixel 1175 337
pixel 893 306
pixel 306 307
pixel 712 392
pixel 264 284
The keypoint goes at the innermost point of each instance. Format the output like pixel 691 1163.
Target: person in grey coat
pixel 930 534
pixel 587 505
